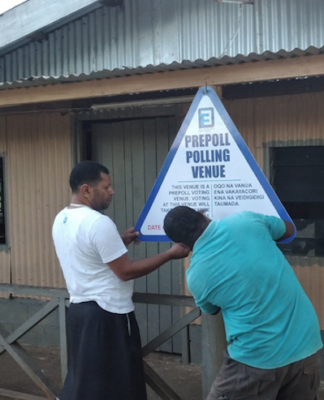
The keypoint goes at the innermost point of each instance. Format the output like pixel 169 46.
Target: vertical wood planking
pixel 108 157
pixel 137 141
pixel 134 151
pixel 102 152
pixel 150 149
pixel 118 171
pixel 176 265
pixel 39 164
pixel 165 278
pixel 130 220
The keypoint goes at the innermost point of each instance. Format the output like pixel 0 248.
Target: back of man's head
pixel 88 172
pixel 184 225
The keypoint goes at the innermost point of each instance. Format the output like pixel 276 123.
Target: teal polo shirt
pixel 236 265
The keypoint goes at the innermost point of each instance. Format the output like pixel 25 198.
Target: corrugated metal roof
pixel 157 35
pixel 50 80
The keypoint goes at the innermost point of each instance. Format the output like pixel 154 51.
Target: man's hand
pixel 290 230
pixel 179 250
pixel 130 236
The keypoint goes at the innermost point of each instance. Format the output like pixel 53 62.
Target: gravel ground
pixel 185 380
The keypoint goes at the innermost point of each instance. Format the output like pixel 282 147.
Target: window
pixel 2 213
pixel 297 176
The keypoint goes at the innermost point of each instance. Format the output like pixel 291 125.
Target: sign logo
pixel 206 117
pixel 210 169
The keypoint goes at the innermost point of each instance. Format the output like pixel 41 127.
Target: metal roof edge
pixel 34 81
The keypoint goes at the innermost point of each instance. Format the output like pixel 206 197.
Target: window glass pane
pixel 294 156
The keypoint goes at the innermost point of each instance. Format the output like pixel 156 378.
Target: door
pixel 134 152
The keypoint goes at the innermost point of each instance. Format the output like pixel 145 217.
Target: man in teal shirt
pixel 271 325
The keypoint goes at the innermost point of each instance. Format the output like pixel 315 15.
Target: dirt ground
pixel 185 380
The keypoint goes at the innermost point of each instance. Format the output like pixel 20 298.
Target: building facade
pixel 114 85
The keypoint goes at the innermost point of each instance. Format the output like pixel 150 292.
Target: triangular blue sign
pixel 209 167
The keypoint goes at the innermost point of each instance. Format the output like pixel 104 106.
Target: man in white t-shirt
pixel 104 341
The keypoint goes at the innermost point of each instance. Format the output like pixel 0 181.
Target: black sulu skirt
pixel 105 355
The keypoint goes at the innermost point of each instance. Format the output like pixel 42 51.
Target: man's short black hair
pixel 184 225
pixel 86 172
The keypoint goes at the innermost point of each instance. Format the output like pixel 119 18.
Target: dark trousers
pixel 105 355
pixel 297 381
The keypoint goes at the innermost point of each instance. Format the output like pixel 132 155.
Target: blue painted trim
pixel 207 91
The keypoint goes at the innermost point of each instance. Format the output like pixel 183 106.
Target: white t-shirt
pixel 85 241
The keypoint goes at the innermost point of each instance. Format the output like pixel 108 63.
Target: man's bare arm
pixel 126 269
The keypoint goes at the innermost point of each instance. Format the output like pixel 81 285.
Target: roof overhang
pixel 174 66
pixel 23 23
pixel 168 80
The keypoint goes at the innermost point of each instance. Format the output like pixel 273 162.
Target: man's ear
pixel 85 190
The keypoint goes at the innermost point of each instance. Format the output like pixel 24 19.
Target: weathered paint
pixel 39 163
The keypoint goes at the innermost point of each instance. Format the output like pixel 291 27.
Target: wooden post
pixel 213 345
pixel 185 334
